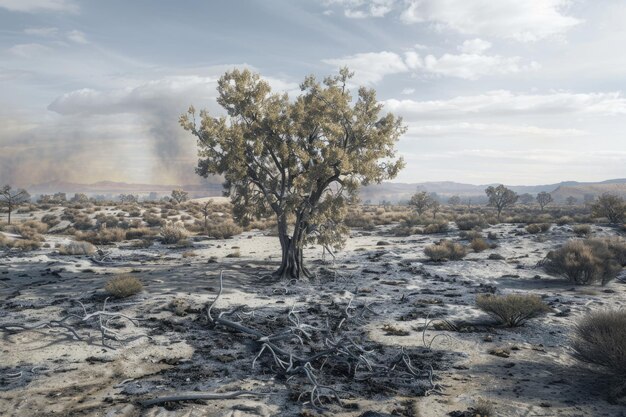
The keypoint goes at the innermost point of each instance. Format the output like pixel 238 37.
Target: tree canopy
pixel 500 197
pixel 299 160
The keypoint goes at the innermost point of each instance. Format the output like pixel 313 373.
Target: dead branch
pixel 194 396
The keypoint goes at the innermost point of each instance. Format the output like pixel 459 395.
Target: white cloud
pixel 42 31
pixel 527 20
pixel 33 6
pixel 408 91
pixel 361 9
pixel 474 46
pixel 29 50
pixel 77 36
pixel 371 67
pixel 491 130
pixel 503 102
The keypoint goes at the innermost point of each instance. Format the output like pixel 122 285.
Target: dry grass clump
pixel 31 229
pixel 50 219
pixel 588 261
pixel 600 338
pixel 173 233
pixel 82 223
pixel 582 230
pixel 104 236
pixel 445 250
pixel 535 228
pixel 439 227
pixel 470 221
pixel 479 244
pixel 483 408
pixel 123 286
pixel 152 220
pixel 512 310
pixel 140 233
pixel 223 230
pixel 19 244
pixel 77 248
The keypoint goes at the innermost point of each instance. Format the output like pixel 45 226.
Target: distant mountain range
pixel 388 191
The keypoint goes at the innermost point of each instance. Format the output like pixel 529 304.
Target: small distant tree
pixel 206 210
pixel 544 198
pixel 588 199
pixel 301 160
pixel 610 206
pixel 501 197
pixel 455 200
pixel 59 197
pixel 80 198
pixel 526 198
pixel 571 200
pixel 180 196
pixel 421 202
pixel 11 199
pixel 128 198
pixel 435 206
pixel 469 203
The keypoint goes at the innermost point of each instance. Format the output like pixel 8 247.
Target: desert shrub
pixel 153 221
pixel 470 234
pixel 470 221
pixel 77 248
pixel 441 227
pixel 173 234
pixel 484 408
pixel 479 245
pixel 492 236
pixel 82 223
pixel 103 236
pixel 445 250
pixel 50 219
pixel 600 338
pixel 123 286
pixel 512 310
pixel 26 245
pixel 564 220
pixel 108 221
pixel 403 230
pixel 31 230
pixel 139 233
pixel 223 230
pixel 582 230
pixel 535 228
pixel 588 261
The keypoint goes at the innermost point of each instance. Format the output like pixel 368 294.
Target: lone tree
pixel 11 198
pixel 435 206
pixel 544 198
pixel 301 161
pixel 180 196
pixel 421 201
pixel 206 209
pixel 500 197
pixel 610 206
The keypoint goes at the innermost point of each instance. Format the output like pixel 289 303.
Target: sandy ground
pixel 172 347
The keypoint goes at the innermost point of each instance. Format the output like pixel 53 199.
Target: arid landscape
pixel 409 325
pixel 312 208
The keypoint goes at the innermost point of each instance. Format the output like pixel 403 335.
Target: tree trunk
pixel 292 263
pixel 9 220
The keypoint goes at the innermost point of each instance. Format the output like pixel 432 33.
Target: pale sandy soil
pixel 47 372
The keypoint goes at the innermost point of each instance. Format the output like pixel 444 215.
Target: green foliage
pixel 500 197
pixel 180 196
pixel 512 310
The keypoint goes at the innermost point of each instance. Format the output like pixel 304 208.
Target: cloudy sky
pixel 520 92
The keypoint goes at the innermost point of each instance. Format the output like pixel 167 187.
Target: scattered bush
pixel 223 230
pixel 561 221
pixel 103 236
pixel 512 310
pixel 479 245
pixel 445 250
pixel 77 248
pixel 582 230
pixel 172 233
pixel 123 286
pixel 50 219
pixel 470 221
pixel 600 338
pixel 441 227
pixel 588 261
pixel 139 233
pixel 535 228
